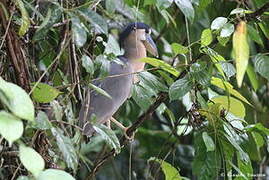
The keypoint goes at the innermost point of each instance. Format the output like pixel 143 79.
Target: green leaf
pixel 206 165
pixel 264 27
pixel 54 174
pixel 237 11
pixel 206 37
pixel 253 33
pixel 42 121
pixel 99 90
pixel 161 64
pixel 218 23
pixel 179 88
pixel 257 127
pixel 95 19
pixel 186 7
pixel 142 96
pixel 66 147
pixel 25 20
pixel 242 155
pixel 262 65
pixel 245 168
pixel 11 128
pixel 79 32
pixel 252 77
pixel 110 6
pixel 53 15
pixel 227 30
pixel 163 4
pixel 209 143
pixel 231 104
pixel 31 160
pixel 109 136
pixel 199 72
pixel 44 93
pixel 179 49
pixel 17 100
pixel 104 65
pixel 228 87
pixel 215 58
pixel 112 46
pixel 57 110
pixel 241 51
pixel 152 81
pixel 87 64
pixel 228 69
pixel 170 172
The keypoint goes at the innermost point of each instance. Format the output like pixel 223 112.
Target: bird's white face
pixel 142 39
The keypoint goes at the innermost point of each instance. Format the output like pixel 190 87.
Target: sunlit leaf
pixel 227 30
pixel 241 51
pixel 186 7
pixel 228 69
pixel 31 160
pixel 17 100
pixel 170 172
pixel 79 32
pixel 179 88
pixel 231 104
pixel 44 93
pixel 218 23
pixel 25 20
pixel 87 64
pixel 99 90
pixel 179 49
pixel 206 37
pixel 11 128
pixel 54 174
pixel 161 64
pixel 209 143
pixel 66 147
pixel 42 121
pixel 109 136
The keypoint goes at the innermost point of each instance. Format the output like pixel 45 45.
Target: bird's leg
pixel 123 128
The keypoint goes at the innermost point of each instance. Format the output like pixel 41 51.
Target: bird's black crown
pixel 135 25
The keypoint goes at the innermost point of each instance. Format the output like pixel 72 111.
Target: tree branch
pixel 258 12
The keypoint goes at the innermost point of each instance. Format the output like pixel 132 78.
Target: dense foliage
pixel 199 111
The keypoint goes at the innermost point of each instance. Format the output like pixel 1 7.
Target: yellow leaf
pixel 228 87
pixel 231 104
pixel 241 51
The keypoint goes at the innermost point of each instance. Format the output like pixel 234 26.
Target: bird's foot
pixel 128 137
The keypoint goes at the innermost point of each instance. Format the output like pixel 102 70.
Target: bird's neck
pixel 134 53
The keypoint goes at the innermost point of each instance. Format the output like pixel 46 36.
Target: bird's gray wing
pixel 117 87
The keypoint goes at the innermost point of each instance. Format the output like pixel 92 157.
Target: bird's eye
pixel 134 28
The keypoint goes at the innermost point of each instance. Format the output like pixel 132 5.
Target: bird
pixel 136 40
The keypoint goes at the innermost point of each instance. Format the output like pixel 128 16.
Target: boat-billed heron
pixel 97 108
